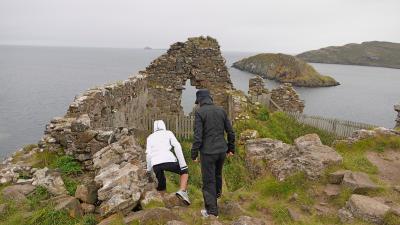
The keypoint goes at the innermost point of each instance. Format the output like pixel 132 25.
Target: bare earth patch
pixel 388 164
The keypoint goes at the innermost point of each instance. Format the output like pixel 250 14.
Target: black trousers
pixel 169 166
pixel 211 170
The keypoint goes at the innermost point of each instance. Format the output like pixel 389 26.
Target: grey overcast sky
pixel 290 26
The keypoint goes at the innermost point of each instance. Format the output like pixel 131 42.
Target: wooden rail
pixel 340 128
pixel 181 125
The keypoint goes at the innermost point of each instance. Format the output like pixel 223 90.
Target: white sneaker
pixel 204 213
pixel 183 195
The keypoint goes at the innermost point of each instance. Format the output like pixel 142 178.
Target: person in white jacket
pixel 160 158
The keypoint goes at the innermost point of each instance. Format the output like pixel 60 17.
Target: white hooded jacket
pixel 159 145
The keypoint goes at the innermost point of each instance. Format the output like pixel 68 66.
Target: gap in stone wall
pixel 188 97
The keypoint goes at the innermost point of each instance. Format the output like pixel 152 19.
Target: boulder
pixel 121 176
pixel 151 216
pixel 332 190
pixel 150 196
pixel 247 220
pixel 171 200
pixel 358 182
pixel 49 179
pixel 87 208
pixel 230 209
pixel 17 192
pixel 308 155
pixel 70 204
pixel 365 208
pixel 337 177
pixel 86 193
pixel 306 141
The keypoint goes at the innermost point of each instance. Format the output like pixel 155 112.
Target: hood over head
pixel 203 96
pixel 159 125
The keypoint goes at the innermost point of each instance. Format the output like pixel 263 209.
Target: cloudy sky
pixel 290 26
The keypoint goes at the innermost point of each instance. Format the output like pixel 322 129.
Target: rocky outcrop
pixel 397 109
pixel 308 155
pixel 287 98
pixel 365 208
pixel 121 175
pixel 51 180
pixel 286 69
pixel 373 53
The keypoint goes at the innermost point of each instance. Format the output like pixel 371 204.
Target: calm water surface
pixel 38 83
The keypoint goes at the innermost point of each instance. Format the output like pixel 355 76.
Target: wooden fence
pixel 341 128
pixel 181 125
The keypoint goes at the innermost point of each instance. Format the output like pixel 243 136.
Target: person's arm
pixel 197 136
pixel 178 151
pixel 148 156
pixel 230 133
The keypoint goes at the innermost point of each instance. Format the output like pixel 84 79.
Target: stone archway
pixel 199 60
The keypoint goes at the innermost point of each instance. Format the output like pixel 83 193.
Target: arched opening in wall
pixel 188 97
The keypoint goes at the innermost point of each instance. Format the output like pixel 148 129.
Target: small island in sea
pixel 286 69
pixel 147 48
pixel 372 53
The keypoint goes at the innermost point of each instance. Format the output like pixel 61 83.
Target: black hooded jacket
pixel 211 123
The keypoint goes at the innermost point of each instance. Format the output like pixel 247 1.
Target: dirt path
pixel 388 164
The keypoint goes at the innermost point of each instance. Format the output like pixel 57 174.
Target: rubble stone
pixel 49 179
pixel 365 208
pixel 284 160
pixel 358 182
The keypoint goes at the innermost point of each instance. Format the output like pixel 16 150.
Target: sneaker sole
pixel 182 199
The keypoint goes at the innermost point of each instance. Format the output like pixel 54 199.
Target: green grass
pixel 354 154
pixel 280 126
pixel 38 195
pixel 70 184
pixel 68 165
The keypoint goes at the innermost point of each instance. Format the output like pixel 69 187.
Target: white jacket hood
pixel 159 125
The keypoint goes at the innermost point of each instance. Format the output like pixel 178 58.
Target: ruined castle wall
pixel 200 61
pixel 397 109
pixel 120 104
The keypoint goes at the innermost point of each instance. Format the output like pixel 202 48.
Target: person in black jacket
pixel 211 123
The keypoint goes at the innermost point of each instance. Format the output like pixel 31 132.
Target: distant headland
pixel 286 69
pixel 373 53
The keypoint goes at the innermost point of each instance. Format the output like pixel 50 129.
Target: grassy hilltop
pixel 286 69
pixel 373 53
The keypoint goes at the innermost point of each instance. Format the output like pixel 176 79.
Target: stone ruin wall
pixel 397 109
pixel 285 96
pixel 200 61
